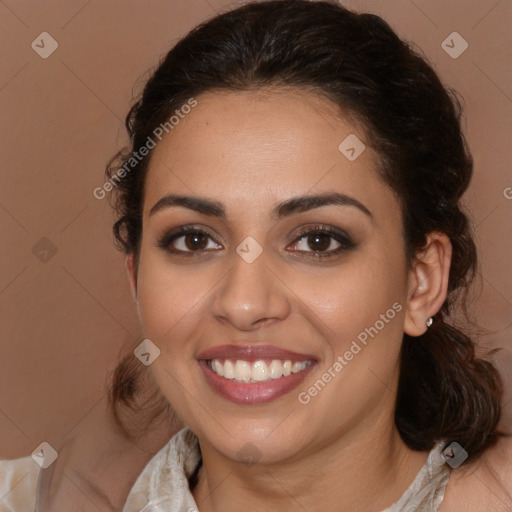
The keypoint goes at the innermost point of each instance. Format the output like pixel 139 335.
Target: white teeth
pixel 258 371
pixel 297 367
pixel 242 370
pixel 275 369
pixel 219 369
pixel 229 370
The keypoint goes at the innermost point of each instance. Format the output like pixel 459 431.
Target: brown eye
pixel 322 241
pixel 188 241
pixel 319 241
pixel 196 241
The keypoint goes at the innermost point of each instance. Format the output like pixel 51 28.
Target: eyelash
pixel 339 236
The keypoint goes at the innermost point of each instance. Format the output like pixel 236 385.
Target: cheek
pixel 352 291
pixel 359 312
pixel 170 303
pixel 169 300
pixel 360 299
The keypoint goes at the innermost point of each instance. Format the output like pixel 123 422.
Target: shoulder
pixel 18 484
pixel 483 485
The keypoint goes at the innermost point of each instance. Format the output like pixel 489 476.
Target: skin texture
pixel 97 466
pixel 249 151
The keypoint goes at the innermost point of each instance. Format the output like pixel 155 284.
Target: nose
pixel 250 295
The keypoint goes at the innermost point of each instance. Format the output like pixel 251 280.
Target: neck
pixel 355 472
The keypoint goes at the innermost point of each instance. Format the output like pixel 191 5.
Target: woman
pixel 295 245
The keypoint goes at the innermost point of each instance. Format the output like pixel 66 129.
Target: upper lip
pixel 252 353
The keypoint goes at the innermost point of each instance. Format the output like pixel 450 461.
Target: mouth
pixel 254 374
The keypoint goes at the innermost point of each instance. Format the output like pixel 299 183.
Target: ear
pixel 132 274
pixel 427 283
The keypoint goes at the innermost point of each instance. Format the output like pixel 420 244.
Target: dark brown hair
pixel 413 122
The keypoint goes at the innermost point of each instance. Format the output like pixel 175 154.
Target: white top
pixel 163 484
pixel 18 484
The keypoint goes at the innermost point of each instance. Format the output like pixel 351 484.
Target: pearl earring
pixel 429 322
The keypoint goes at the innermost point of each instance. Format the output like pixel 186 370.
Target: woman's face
pixel 248 292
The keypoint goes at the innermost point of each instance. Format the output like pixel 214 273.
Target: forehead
pixel 262 146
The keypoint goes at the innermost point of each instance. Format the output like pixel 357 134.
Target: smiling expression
pixel 265 253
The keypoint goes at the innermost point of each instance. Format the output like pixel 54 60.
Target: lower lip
pixel 253 393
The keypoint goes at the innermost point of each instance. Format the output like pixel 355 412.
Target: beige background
pixel 64 321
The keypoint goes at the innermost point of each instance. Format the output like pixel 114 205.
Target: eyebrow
pixel 284 209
